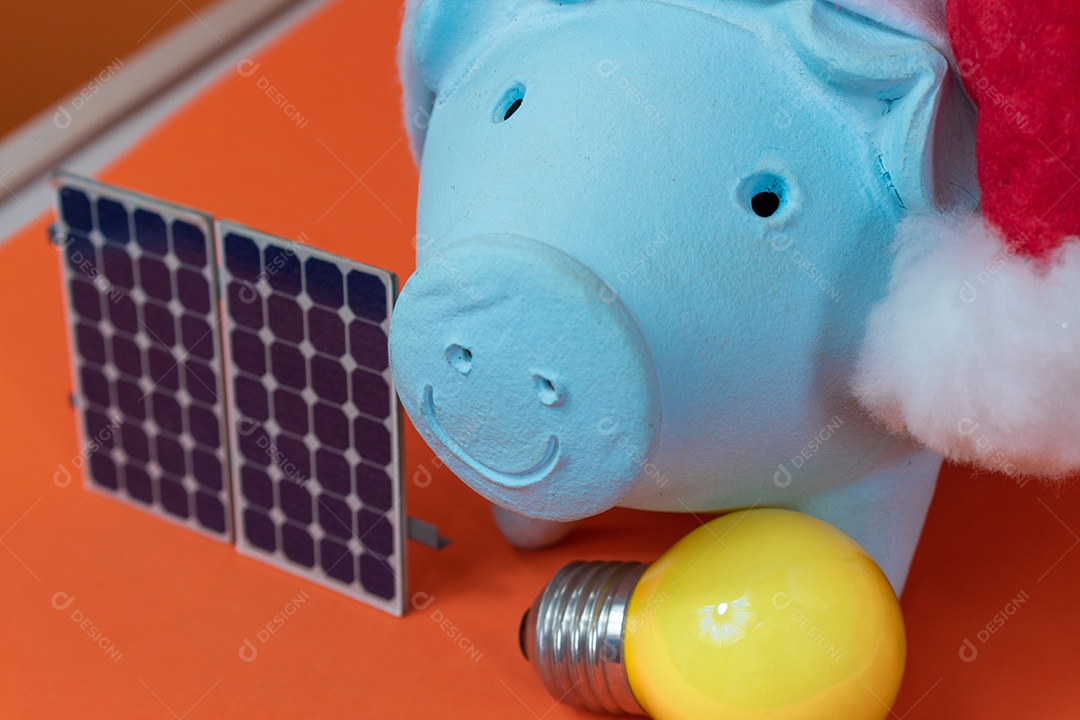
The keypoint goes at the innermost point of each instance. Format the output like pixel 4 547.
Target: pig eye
pixel 510 103
pixel 763 194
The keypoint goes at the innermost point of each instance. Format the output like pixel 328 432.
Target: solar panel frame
pixel 281 346
pixel 108 237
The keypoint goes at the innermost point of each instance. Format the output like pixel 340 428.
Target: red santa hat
pixel 975 351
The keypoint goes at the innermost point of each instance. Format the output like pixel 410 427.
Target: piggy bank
pixel 649 238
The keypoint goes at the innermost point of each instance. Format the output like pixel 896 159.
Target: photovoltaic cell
pixel 314 419
pixel 142 306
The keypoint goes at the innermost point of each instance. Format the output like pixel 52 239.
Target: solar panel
pixel 141 297
pixel 314 417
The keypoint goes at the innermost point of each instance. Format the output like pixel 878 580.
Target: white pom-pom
pixel 975 351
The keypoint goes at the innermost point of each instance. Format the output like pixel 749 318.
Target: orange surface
pixel 178 607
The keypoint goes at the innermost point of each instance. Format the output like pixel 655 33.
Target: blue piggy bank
pixel 649 237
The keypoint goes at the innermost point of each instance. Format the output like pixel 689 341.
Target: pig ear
pixel 892 85
pixel 440 39
pixel 417 98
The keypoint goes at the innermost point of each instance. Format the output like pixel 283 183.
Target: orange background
pixel 49 48
pixel 178 606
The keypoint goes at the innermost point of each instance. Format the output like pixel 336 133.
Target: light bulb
pixel 757 614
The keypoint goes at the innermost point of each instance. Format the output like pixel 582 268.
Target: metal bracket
pixel 426 534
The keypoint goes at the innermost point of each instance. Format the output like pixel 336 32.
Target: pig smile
pixel 515 479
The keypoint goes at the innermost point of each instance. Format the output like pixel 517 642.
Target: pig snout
pixel 526 374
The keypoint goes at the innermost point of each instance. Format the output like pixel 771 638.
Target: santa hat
pixel 975 351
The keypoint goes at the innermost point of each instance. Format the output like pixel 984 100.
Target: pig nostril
pixel 460 358
pixel 546 391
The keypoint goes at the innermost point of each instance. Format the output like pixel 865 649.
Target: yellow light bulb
pixel 757 614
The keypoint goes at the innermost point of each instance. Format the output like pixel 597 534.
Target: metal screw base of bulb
pixel 573 635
